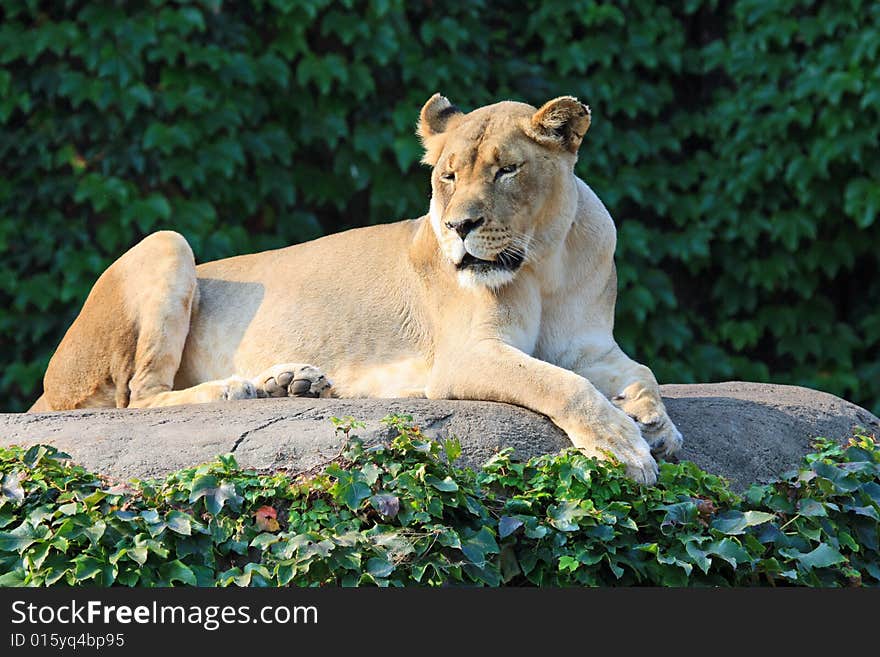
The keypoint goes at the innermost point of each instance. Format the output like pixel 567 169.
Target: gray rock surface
pixel 748 432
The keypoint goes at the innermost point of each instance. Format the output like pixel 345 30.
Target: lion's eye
pixel 504 171
pixel 449 176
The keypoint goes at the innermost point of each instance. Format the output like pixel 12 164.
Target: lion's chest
pixel 518 317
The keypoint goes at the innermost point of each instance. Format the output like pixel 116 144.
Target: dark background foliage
pixel 735 143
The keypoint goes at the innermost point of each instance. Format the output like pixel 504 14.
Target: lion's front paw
pixel 618 434
pixel 292 380
pixel 647 409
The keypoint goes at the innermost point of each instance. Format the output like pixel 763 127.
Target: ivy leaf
pixel 179 522
pixel 95 531
pixel 452 449
pixel 810 508
pixel 843 481
pixel 507 525
pixel 351 492
pixel 449 538
pixel 371 473
pixel 867 511
pixel 86 567
pixel 7 517
pixel 681 513
pixel 379 567
pixel 177 571
pixel 34 454
pixel 22 537
pixel 729 550
pixel 508 564
pixel 264 540
pixel 447 484
pixel 568 563
pixel 564 516
pixel 13 578
pixel 216 494
pixel 735 522
pixel 478 545
pixel 138 554
pixel 823 556
pixel 700 557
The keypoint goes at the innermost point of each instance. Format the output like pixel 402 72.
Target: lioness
pixel 504 291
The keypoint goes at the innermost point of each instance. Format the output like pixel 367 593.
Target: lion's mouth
pixel 504 261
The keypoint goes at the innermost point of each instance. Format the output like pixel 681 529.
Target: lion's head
pixel 502 179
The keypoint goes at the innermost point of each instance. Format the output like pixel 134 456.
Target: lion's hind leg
pixel 125 346
pixel 163 309
pixel 292 380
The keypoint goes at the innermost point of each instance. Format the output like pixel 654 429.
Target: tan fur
pixel 519 309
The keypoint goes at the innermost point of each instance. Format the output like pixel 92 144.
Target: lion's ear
pixel 562 122
pixel 437 116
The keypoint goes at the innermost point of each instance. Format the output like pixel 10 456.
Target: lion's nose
pixel 465 226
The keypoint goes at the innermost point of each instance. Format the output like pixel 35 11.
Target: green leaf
pixel 177 571
pixel 22 537
pixel 507 525
pixel 821 557
pixel 264 540
pixel 351 492
pixel 565 516
pixel 811 508
pixel 452 449
pixel 37 554
pixel 179 522
pixel 7 517
pixel 447 485
pixel 681 513
pixel 13 578
pixel 371 473
pixel 568 563
pixel 730 551
pixel 478 545
pixel 736 522
pixel 700 557
pixel 95 531
pixel 843 481
pixel 449 538
pixel 87 568
pixel 34 455
pixel 216 493
pixel 867 511
pixel 379 567
pixel 138 554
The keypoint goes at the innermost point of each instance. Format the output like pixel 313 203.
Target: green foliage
pixel 401 513
pixel 735 143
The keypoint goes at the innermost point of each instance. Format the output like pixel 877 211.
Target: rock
pixel 748 432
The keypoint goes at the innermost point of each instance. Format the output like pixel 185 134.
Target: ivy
pixel 401 513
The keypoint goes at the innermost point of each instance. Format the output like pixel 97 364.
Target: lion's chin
pixel 493 279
